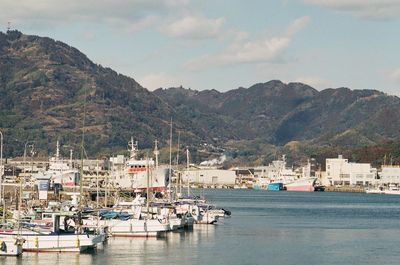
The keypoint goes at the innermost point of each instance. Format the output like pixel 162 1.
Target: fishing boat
pixel 275 186
pixel 10 245
pixel 378 190
pixel 302 184
pixel 261 183
pixel 199 210
pixel 60 171
pixel 392 190
pixel 133 174
pixel 37 238
pixel 126 225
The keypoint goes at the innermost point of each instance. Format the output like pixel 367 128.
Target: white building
pixel 340 172
pixel 209 177
pixel 390 175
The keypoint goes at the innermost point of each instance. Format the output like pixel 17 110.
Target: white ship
pixel 302 184
pixel 60 171
pixel 134 175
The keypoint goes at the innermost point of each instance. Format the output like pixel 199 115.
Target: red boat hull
pixel 305 188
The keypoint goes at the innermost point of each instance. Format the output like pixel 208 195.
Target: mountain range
pixel 50 91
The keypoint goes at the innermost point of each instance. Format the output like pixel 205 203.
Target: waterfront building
pixel 339 171
pixel 210 177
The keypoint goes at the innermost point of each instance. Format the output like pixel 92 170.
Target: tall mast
pixel 187 170
pixel 156 153
pixel 147 188
pixel 177 153
pixel 177 164
pixel 170 162
pixel 97 184
pixel 1 175
pixel 82 151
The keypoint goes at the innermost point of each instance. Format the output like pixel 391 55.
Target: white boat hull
pixel 133 227
pixel 10 246
pixel 35 242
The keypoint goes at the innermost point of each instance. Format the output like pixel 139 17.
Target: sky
pixel 226 44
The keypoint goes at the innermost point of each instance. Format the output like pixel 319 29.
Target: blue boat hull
pixel 275 186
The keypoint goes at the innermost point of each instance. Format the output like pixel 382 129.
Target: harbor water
pixel 266 227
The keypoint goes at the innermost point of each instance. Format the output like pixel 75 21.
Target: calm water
pixel 265 228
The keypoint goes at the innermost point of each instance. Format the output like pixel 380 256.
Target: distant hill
pixel 43 86
pixel 279 113
pixel 46 86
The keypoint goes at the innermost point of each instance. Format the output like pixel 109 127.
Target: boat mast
pixel 187 171
pixel 1 177
pixel 111 170
pixel 97 184
pixel 82 152
pixel 177 165
pixel 132 156
pixel 156 153
pixel 147 190
pixel 170 162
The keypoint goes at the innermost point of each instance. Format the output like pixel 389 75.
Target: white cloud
pixel 133 26
pixel 194 27
pixel 395 75
pixel 297 25
pixel 89 36
pixel 368 9
pixel 251 51
pixel 156 80
pixel 129 15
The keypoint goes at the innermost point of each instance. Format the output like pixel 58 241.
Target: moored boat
pixel 302 184
pixel 11 245
pixel 53 239
pixel 275 186
pixel 133 174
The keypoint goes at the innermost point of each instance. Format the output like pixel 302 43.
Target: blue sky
pixel 224 45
